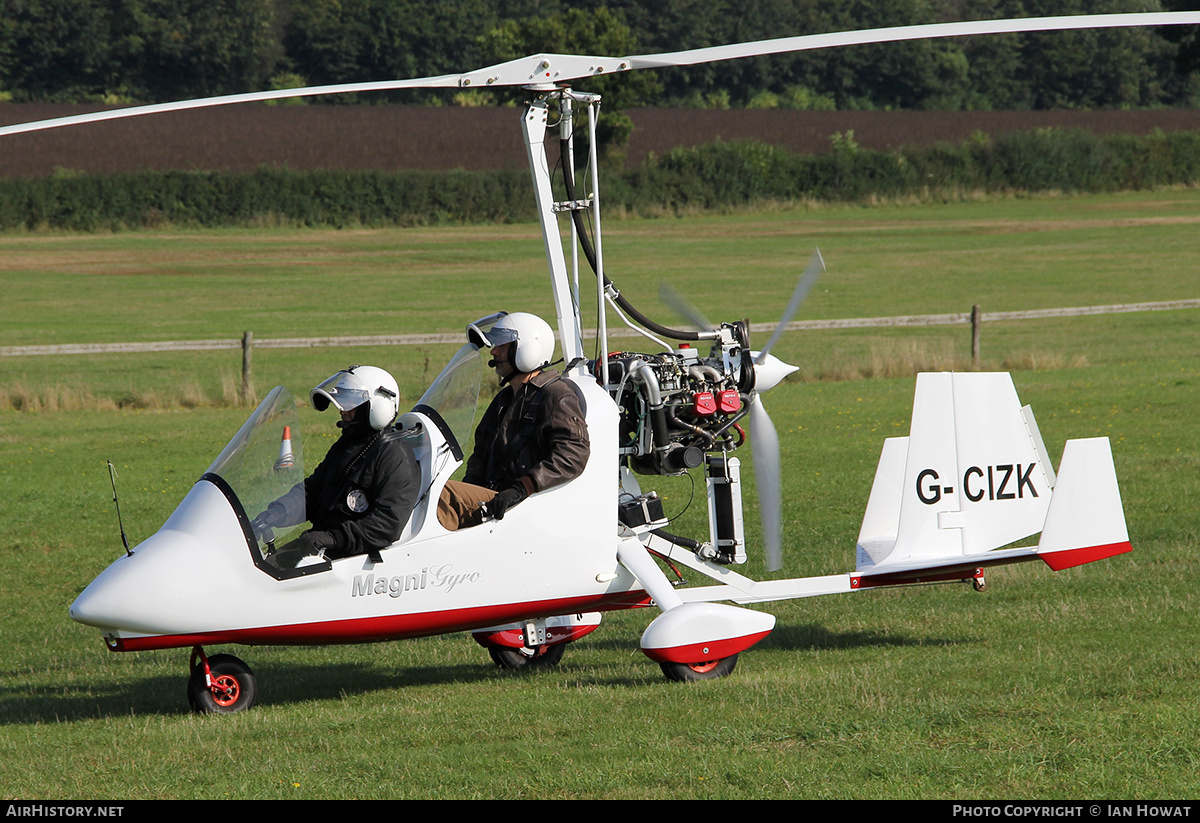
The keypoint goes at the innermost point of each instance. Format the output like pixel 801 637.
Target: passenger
pixel 533 435
pixel 361 495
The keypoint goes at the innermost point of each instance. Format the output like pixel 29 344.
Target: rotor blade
pixel 814 269
pixel 228 99
pixel 534 69
pixel 903 33
pixel 764 441
pixel 549 69
pixel 683 307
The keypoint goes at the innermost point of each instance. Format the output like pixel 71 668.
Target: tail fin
pixel 973 476
pixel 1086 521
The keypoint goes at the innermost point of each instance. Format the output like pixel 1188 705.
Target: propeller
pixel 767 474
pixel 686 309
pixel 814 269
pixel 769 371
pixel 553 69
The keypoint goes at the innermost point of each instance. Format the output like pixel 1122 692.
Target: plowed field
pixel 241 138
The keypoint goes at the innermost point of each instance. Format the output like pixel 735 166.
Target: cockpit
pixel 265 459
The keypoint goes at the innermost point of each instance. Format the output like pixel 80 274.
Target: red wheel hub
pixel 225 689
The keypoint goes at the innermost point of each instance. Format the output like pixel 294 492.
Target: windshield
pixel 265 459
pixel 453 397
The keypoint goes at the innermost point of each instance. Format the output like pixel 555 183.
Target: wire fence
pixel 976 318
pixel 247 342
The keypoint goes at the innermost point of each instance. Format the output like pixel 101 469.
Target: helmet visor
pixel 344 391
pixel 482 335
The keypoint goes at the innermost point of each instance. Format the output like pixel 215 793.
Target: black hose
pixel 683 542
pixel 589 252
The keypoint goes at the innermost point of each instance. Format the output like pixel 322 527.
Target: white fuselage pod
pixel 186 569
pixel 195 580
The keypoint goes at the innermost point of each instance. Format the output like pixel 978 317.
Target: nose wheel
pixel 691 672
pixel 221 684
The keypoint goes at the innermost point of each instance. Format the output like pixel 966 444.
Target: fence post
pixel 247 379
pixel 976 322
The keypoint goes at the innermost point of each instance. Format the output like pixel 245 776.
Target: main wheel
pixel 233 687
pixel 509 658
pixel 691 672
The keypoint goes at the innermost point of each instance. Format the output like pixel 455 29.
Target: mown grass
pixel 1004 255
pixel 1079 684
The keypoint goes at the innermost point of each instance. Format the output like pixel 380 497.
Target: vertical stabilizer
pixel 970 477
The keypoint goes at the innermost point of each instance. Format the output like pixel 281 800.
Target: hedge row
pixel 90 202
pixel 717 175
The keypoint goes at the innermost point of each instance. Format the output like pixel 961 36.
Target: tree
pixel 135 49
pixel 55 49
pixel 198 48
pixel 599 32
pixel 350 41
pixel 1186 40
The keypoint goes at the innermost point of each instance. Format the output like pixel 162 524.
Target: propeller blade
pixel 764 440
pixel 549 69
pixel 683 307
pixel 814 269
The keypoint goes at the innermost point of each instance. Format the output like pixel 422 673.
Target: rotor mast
pixel 535 122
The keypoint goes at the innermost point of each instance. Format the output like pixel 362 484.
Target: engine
pixel 678 406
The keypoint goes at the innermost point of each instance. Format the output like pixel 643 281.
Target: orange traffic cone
pixel 286 459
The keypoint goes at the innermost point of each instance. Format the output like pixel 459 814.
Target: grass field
pixel 1079 684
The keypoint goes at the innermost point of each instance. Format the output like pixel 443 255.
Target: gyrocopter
pixel 970 480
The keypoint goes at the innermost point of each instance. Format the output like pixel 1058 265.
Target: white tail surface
pixel 1086 521
pixel 973 476
pixel 881 522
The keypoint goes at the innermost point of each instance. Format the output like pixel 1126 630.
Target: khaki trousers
pixel 460 505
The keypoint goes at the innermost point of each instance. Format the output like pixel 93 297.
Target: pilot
pixel 533 435
pixel 362 493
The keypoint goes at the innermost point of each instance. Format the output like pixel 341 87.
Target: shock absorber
pixel 725 507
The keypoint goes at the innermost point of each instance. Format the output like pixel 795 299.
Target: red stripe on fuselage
pixel 390 627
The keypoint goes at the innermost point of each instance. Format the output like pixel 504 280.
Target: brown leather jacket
pixel 534 436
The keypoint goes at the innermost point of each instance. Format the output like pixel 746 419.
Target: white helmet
pixel 533 337
pixel 352 387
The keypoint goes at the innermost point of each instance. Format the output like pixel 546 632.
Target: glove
pixel 320 540
pixel 308 544
pixel 505 500
pixel 268 520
